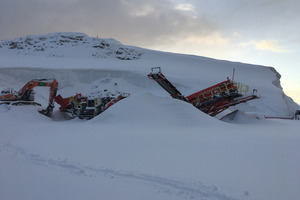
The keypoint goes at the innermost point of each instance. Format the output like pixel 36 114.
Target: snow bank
pixel 147 145
pixel 156 112
pixel 240 117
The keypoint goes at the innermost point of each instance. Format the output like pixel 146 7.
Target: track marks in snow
pixel 177 188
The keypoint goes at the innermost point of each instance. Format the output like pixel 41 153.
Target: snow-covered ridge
pixel 58 44
pixel 276 82
pixel 75 59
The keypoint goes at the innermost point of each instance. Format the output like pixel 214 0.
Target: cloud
pixel 266 45
pixel 185 7
pixel 212 40
pixel 254 19
pixel 155 23
pixel 138 10
pixel 214 45
pixel 135 22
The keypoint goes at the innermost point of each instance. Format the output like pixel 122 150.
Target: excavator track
pixel 20 103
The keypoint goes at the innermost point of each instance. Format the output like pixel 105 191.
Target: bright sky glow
pixel 185 7
pixel 266 45
pixel 265 32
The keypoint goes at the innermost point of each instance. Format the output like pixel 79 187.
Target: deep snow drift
pixel 147 146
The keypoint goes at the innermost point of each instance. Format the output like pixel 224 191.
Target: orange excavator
pixel 25 96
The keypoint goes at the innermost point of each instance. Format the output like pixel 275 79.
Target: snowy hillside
pixel 69 45
pixel 147 146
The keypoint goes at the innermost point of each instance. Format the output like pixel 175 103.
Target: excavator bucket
pixel 53 90
pixel 48 111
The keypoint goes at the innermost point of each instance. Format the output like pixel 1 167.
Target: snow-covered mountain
pixel 69 45
pixel 147 146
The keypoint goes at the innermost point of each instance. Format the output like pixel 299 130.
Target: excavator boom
pixel 53 90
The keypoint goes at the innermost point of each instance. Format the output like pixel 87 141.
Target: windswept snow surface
pixel 147 146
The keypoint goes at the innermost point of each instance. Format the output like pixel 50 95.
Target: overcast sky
pixel 265 32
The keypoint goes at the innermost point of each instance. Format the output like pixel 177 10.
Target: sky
pixel 264 32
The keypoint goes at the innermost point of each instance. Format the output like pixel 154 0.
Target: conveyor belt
pixel 167 85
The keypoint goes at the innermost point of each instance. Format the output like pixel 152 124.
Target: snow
pixel 147 146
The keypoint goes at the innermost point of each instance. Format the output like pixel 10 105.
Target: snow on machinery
pixel 25 96
pixel 212 100
pixel 85 107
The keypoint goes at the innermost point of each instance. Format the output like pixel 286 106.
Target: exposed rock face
pixel 276 82
pixel 79 44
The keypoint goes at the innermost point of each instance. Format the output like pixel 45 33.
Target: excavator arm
pixel 53 90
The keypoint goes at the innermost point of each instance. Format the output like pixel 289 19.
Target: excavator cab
pixel 8 91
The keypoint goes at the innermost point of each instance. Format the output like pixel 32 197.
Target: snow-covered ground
pixel 147 146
